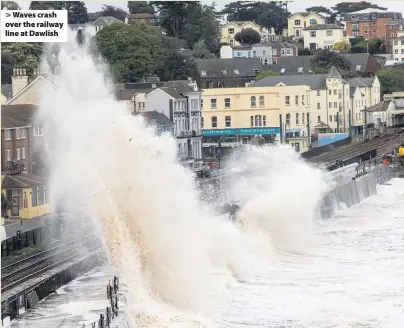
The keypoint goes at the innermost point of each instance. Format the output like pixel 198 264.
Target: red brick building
pixel 370 23
pixel 22 141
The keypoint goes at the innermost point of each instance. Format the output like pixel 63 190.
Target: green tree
pixel 304 52
pixel 391 80
pixel 319 10
pixel 342 8
pixel 189 21
pixel 265 74
pixel 372 46
pixel 22 55
pixel 199 50
pixel 10 5
pixel 341 45
pixel 274 16
pixel 77 10
pixel 133 51
pixel 175 66
pixel 140 7
pixel 248 36
pixel 118 13
pixel 323 60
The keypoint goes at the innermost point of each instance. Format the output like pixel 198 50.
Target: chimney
pixel 19 80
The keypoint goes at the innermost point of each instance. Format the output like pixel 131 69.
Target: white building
pixel 91 29
pixel 180 101
pixel 322 36
pixel 262 51
pixel 397 48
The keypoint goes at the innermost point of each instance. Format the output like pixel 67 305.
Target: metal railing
pixel 111 311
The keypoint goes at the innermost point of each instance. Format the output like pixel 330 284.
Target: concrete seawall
pixel 355 191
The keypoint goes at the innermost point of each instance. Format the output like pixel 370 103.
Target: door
pixel 15 206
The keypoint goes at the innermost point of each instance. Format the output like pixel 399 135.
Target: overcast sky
pixel 396 5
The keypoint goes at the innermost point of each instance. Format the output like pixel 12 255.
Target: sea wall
pixel 354 191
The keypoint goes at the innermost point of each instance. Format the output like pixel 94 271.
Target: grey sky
pixel 396 5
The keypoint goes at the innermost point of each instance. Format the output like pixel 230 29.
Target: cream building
pixel 397 48
pixel 275 113
pixel 297 22
pixel 335 103
pixel 229 31
pixel 322 36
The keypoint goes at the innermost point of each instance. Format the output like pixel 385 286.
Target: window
pixel 355 26
pixel 330 105
pixel 262 101
pixel 335 92
pixel 313 34
pixel 365 32
pixel 287 119
pixel 34 196
pixel 319 118
pixel 328 33
pixel 365 16
pixel 227 102
pixel 336 118
pixel 318 92
pixel 17 133
pixel 263 52
pixel 256 71
pixel 252 120
pixel 287 100
pixel 7 134
pixel 297 22
pixel 302 99
pixel 230 30
pixel 213 103
pixel 201 103
pixel 297 33
pixel 38 131
pixel 303 118
pixel 330 92
pixel 254 54
pixel 358 67
pixel 297 118
pixel 202 122
pixel 330 118
pixel 264 120
pixel 249 54
pixel 318 106
pixel 253 101
pixel 257 120
pixel 214 121
pixel 296 100
pixel 227 120
pixel 18 154
pixel 8 155
pixel 23 152
pixel 335 104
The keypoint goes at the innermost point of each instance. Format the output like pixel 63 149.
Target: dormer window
pixel 300 70
pixel 256 71
pixel 236 71
pixel 282 71
pixel 358 67
pixel 203 72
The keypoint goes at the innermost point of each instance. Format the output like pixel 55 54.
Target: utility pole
pixel 337 122
pixel 350 123
pixel 280 128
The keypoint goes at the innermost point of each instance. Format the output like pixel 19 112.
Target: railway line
pixel 16 273
pixel 378 146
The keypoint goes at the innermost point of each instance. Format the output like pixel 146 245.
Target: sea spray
pixel 159 240
pixel 279 197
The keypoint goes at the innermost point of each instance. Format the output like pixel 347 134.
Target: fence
pixel 111 311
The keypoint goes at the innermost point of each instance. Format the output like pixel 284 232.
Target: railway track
pixel 378 144
pixel 14 274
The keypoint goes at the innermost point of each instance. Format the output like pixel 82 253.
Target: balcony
pixel 12 168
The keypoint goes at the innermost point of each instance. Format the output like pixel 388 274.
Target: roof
pixel 240 23
pixel 334 73
pixel 291 64
pixel 323 27
pixel 10 123
pixel 305 14
pixel 156 118
pixel 29 86
pixel 18 114
pixel 105 21
pixel 282 45
pixel 314 81
pixel 22 180
pixel 181 86
pixel 379 107
pixel 230 67
pixel 5 90
pixel 140 15
pixel 369 11
pixel 172 92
